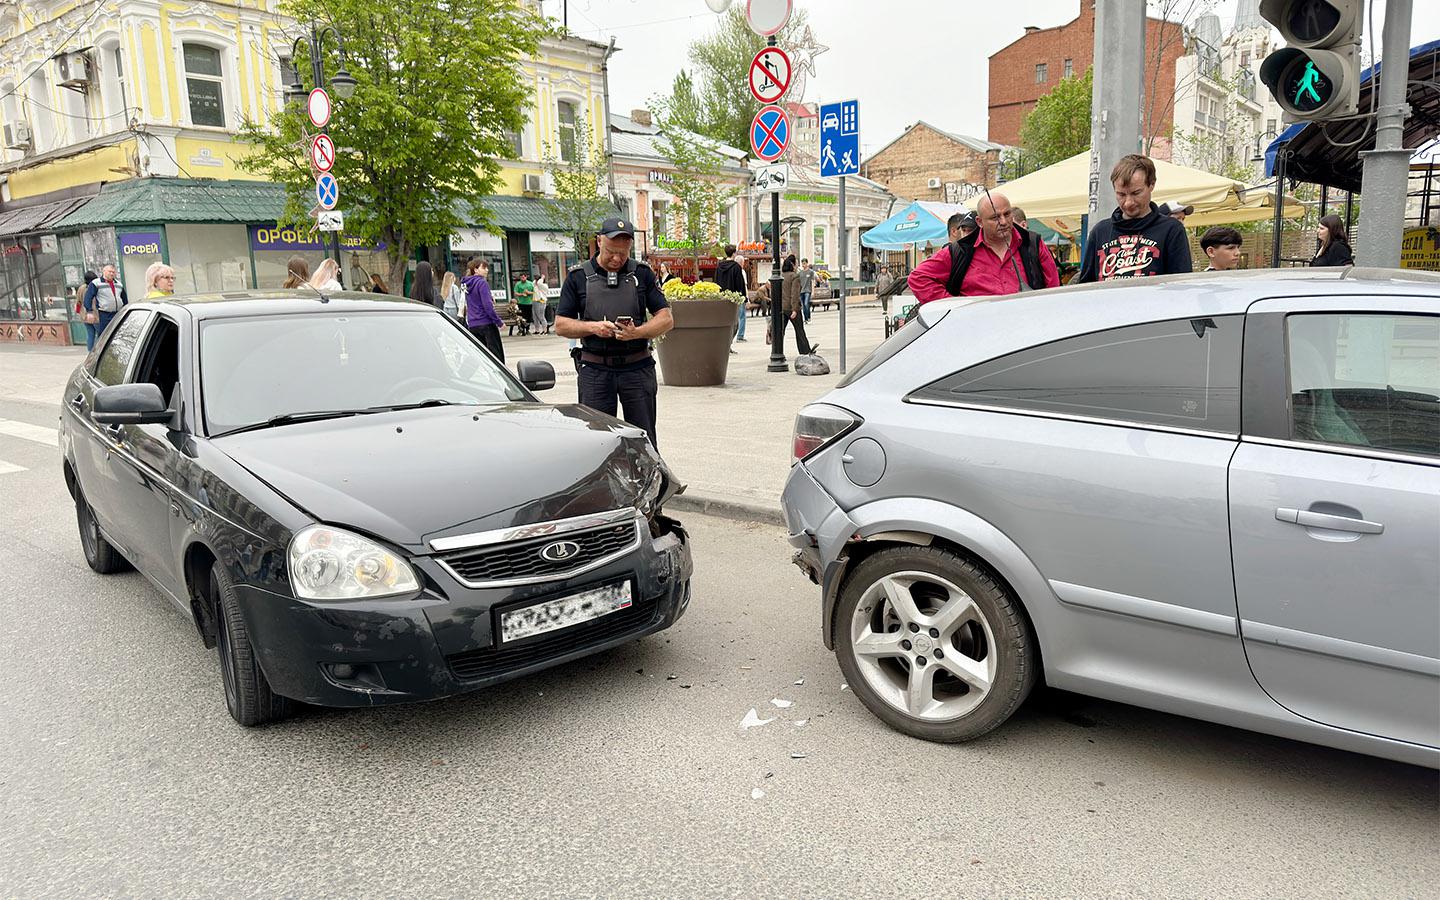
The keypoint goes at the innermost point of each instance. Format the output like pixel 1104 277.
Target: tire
pixel 247 692
pixel 980 657
pixel 100 554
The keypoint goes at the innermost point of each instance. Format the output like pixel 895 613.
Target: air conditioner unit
pixel 17 135
pixel 74 69
pixel 532 184
pixel 933 183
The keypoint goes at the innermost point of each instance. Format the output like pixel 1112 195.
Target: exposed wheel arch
pixel 198 561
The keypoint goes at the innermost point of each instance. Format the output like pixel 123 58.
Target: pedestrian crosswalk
pixel 12 432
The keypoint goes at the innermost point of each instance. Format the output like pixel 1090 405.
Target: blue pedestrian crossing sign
pixel 327 191
pixel 840 138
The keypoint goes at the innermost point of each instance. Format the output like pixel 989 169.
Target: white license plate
pixel 563 612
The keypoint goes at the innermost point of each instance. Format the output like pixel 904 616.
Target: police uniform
pixel 614 372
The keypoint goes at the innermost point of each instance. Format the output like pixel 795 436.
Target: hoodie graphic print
pixel 1153 244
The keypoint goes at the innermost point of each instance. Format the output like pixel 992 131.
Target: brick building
pixel 1029 68
pixel 927 163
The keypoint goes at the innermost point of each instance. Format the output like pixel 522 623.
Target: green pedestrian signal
pixel 1308 88
pixel 1318 75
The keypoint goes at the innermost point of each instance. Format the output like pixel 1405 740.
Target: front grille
pixel 490 661
pixel 521 560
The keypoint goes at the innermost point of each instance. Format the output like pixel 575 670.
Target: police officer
pixel 615 307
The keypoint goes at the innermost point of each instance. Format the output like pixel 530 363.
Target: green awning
pixel 140 201
pixel 519 213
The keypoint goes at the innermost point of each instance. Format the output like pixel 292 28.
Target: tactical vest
pixel 606 303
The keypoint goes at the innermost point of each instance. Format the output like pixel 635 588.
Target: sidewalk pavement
pixel 729 444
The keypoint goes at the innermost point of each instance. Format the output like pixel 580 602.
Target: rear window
pixel 1184 373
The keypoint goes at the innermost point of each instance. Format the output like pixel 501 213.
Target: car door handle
pixel 1324 520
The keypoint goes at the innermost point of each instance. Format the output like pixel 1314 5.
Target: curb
pixel 728 509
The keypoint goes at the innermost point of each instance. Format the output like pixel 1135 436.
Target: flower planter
pixel 696 353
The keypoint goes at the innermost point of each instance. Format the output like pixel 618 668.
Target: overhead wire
pixel 55 50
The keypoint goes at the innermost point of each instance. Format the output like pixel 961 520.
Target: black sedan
pixel 357 504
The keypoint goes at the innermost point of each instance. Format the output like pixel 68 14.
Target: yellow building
pixel 118 120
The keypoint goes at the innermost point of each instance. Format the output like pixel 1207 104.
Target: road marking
pixel 50 437
pixel 10 468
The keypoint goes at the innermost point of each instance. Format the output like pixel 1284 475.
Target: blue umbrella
pixel 922 223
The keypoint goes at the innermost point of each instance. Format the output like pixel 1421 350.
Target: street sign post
pixel 767 17
pixel 330 220
pixel 322 152
pixel 770 75
pixel 840 155
pixel 770 133
pixel 318 107
pixel 327 191
pixel 772 178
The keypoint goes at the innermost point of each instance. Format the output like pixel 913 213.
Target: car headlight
pixel 329 564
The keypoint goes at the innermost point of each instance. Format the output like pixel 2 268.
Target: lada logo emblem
pixel 559 551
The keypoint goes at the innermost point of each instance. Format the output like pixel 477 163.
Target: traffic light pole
pixel 1115 97
pixel 1385 179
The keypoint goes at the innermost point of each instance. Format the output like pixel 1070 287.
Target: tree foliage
pixel 698 185
pixel 721 107
pixel 580 200
pixel 1059 125
pixel 437 87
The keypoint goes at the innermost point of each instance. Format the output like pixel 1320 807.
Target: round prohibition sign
pixel 317 107
pixel 327 191
pixel 770 73
pixel 770 133
pixel 322 153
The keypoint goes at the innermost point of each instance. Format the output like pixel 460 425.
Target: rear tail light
pixel 820 424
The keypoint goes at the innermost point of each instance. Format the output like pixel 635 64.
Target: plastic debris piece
pixel 844 686
pixel 798 755
pixel 756 793
pixel 799 682
pixel 684 685
pixel 671 677
pixel 801 723
pixel 782 704
pixel 746 668
pixel 752 720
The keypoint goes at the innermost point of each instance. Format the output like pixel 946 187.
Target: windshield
pixel 253 370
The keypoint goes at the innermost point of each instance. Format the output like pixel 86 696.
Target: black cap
pixel 613 227
pixel 968 219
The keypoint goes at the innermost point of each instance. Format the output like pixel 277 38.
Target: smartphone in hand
pixel 625 321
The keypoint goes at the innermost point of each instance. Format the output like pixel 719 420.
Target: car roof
pixel 277 301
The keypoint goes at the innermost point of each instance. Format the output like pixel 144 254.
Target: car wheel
pixel 100 554
pixel 247 692
pixel 932 644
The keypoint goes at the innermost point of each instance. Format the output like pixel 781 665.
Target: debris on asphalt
pixel 844 686
pixel 752 720
pixel 746 668
pixel 801 723
pixel 671 677
pixel 684 685
pixel 798 755
pixel 799 682
pixel 782 704
pixel 756 793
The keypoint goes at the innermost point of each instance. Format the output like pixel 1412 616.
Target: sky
pixel 904 60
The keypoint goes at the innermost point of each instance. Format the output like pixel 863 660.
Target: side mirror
pixel 130 404
pixel 536 374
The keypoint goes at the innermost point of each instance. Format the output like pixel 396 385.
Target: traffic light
pixel 1318 75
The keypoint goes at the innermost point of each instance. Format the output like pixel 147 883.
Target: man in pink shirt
pixel 1000 258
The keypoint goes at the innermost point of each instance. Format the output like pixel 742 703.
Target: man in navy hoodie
pixel 1138 239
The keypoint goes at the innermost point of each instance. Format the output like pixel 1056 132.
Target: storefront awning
pixel 520 213
pixel 40 217
pixel 148 200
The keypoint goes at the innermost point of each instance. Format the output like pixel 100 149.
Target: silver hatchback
pixel 1215 495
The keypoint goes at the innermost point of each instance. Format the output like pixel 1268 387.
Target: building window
pixel 1069 68
pixel 1270 126
pixel 203 85
pixel 1244 58
pixel 1042 73
pixel 567 130
pixel 818 249
pixel 517 144
pixel 658 225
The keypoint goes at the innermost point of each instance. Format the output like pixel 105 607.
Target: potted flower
pixel 696 353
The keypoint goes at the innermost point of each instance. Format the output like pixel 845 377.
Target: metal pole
pixel 317 70
pixel 1385 180
pixel 844 259
pixel 1349 212
pixel 1281 155
pixel 1324 200
pixel 778 363
pixel 1119 86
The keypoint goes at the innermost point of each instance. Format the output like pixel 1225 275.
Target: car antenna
pixel 319 293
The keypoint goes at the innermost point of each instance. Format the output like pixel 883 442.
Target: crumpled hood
pixel 412 475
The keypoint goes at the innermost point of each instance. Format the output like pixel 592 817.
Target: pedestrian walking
pixel 806 276
pixel 730 276
pixel 452 298
pixel 615 307
pixel 480 315
pixel 1138 239
pixel 422 286
pixel 998 258
pixel 297 273
pixel 159 281
pixel 85 306
pixel 1334 249
pixel 377 284
pixel 1222 245
pixel 790 304
pixel 327 276
pixel 105 300
pixel 539 311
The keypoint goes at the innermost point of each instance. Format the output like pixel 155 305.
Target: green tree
pixel 438 85
pixel 1059 125
pixel 580 199
pixel 684 107
pixel 698 184
pixel 720 65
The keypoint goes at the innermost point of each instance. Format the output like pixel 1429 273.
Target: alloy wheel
pixel 924 646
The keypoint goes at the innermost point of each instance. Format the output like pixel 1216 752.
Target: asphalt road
pixel 121 773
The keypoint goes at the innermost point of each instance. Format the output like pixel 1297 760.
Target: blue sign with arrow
pixel 840 138
pixel 327 191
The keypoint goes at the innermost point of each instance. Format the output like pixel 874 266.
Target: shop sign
pixel 665 243
pixel 753 247
pixel 810 198
pixel 1420 249
pixel 273 237
pixel 661 177
pixel 140 243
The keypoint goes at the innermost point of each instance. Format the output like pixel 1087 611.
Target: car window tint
pixel 1365 381
pixel 115 358
pixel 255 368
pixel 1184 373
